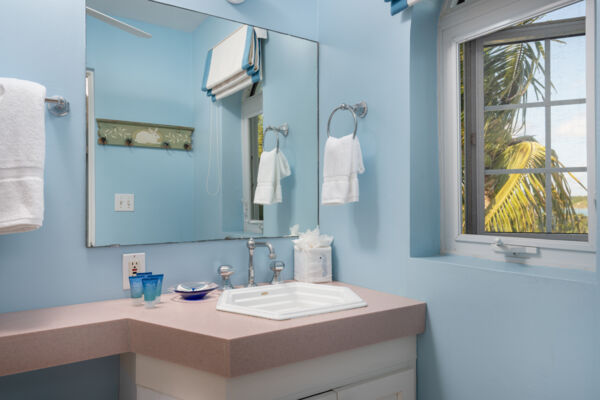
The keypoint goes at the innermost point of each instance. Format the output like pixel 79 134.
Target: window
pixel 252 147
pixel 524 133
pixel 256 149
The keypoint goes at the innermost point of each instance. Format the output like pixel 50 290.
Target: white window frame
pixel 251 107
pixel 468 22
pixel 91 159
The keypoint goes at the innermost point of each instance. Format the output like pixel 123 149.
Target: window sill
pixel 555 273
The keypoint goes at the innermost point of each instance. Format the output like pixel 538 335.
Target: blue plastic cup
pixel 158 286
pixel 137 289
pixel 143 274
pixel 150 284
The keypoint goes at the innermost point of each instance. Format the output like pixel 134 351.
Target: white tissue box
pixel 312 265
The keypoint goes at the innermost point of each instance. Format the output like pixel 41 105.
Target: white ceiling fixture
pixel 116 23
pixel 236 1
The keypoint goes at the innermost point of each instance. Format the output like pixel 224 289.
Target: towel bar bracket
pixel 58 106
pixel 283 129
pixel 358 110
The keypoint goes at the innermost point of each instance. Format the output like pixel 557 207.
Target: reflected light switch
pixel 124 202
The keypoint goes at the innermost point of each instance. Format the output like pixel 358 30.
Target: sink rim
pixel 222 304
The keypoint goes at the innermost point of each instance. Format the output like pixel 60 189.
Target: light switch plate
pixel 132 264
pixel 124 202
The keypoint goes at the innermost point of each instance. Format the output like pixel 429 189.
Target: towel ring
pixel 359 110
pixel 283 129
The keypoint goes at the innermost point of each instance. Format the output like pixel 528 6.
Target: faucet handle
pixel 277 267
pixel 226 271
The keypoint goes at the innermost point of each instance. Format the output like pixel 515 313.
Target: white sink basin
pixel 289 300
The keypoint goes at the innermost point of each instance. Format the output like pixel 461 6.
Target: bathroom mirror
pixel 178 105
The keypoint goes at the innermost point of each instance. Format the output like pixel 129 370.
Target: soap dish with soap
pixel 194 290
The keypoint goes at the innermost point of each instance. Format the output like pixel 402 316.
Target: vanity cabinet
pixel 382 371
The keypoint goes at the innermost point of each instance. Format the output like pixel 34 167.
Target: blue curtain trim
pixel 249 38
pixel 398 6
pixel 206 69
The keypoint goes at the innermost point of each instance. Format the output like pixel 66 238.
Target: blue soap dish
pixel 194 290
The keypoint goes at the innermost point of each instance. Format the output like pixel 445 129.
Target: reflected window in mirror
pixel 252 148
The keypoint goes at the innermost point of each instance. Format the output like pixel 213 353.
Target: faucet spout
pixel 252 244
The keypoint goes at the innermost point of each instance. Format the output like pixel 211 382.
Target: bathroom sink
pixel 289 300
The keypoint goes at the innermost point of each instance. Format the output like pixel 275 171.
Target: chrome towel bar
pixel 359 110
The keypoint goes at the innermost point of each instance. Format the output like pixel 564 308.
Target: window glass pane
pixel 513 73
pixel 570 204
pixel 569 140
pixel 515 203
pixel 572 11
pixel 509 133
pixel 567 60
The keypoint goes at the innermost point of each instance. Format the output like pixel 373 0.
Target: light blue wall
pixel 290 96
pixel 494 330
pixel 125 70
pixel 233 209
pixel 53 261
pixel 211 219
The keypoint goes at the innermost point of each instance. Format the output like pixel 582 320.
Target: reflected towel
pixel 272 168
pixel 342 162
pixel 22 152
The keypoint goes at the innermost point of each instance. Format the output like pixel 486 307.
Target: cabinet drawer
pixel 398 385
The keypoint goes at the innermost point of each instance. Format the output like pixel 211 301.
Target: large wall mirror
pixel 178 109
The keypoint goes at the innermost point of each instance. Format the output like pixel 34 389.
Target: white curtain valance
pixel 233 64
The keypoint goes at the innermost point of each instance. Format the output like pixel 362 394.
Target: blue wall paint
pixel 89 380
pixel 125 70
pixel 290 96
pixel 209 219
pixel 494 330
pixel 53 261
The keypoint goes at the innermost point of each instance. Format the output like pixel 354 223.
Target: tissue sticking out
pixel 310 239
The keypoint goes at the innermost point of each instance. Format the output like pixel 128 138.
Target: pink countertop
pixel 196 335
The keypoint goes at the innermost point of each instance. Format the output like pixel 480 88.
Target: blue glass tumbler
pixel 150 284
pixel 137 289
pixel 158 286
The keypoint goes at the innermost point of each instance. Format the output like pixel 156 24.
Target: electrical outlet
pixel 132 264
pixel 124 202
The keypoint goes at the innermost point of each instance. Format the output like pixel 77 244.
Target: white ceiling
pixel 148 11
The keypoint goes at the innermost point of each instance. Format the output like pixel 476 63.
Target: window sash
pixel 465 23
pixel 473 73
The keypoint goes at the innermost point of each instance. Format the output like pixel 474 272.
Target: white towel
pixel 272 168
pixel 22 152
pixel 342 162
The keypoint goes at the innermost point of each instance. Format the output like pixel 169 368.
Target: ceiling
pixel 148 11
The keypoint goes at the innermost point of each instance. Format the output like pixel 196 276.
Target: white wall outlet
pixel 132 264
pixel 124 202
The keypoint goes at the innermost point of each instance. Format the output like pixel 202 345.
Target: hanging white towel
pixel 22 152
pixel 342 162
pixel 272 168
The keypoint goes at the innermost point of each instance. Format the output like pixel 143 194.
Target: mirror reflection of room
pixel 178 108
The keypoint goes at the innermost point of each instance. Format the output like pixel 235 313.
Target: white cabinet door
pixel 323 396
pixel 396 386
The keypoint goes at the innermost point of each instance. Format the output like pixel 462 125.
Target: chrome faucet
pixel 251 246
